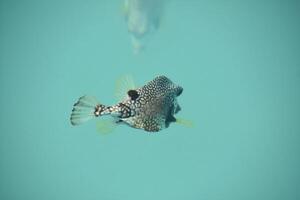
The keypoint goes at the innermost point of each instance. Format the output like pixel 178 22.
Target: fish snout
pixel 179 91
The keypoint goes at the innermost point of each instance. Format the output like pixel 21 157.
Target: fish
pixel 151 107
pixel 143 17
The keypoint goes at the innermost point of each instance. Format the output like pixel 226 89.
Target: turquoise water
pixel 239 65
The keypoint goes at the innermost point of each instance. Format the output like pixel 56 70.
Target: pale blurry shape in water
pixel 137 45
pixel 143 17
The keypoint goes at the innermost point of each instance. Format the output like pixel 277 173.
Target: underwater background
pixel 239 65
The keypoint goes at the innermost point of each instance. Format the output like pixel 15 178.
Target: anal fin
pixel 106 126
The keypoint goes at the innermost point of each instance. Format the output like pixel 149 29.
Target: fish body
pixel 151 107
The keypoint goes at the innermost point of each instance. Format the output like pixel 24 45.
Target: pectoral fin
pixel 185 122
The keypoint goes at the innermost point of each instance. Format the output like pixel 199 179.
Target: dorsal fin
pixel 124 84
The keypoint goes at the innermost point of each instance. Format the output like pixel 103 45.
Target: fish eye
pixel 133 94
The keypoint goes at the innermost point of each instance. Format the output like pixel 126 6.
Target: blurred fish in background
pixel 143 17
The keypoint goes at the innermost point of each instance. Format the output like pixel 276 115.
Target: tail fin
pixel 84 110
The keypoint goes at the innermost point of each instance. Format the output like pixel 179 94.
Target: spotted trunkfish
pixel 151 107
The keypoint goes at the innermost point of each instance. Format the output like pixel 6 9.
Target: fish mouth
pixel 179 91
pixel 170 116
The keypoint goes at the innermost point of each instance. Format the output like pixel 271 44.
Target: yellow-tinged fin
pixel 123 85
pixel 185 122
pixel 105 126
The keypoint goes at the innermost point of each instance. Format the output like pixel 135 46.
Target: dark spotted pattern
pixel 99 109
pixel 125 111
